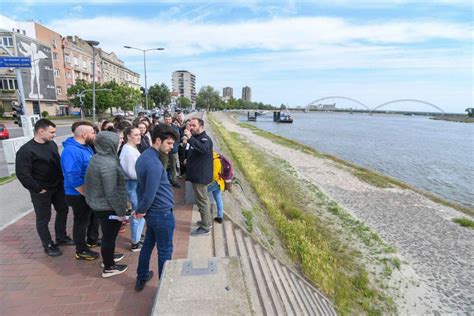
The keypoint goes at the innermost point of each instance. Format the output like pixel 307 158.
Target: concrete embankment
pixel 432 269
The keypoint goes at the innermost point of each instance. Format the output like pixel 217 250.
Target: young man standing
pixel 199 171
pixel 74 161
pixel 155 203
pixel 39 171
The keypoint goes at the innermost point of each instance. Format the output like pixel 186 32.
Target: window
pixel 8 84
pixel 56 56
pixel 76 61
pixel 58 90
pixel 67 58
pixel 68 75
pixel 84 64
pixel 56 72
pixel 7 41
pixel 53 43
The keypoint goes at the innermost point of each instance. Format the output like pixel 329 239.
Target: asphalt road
pixel 62 133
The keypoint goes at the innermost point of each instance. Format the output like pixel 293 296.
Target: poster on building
pixel 38 81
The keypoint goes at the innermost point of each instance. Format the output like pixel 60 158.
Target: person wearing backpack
pixel 217 186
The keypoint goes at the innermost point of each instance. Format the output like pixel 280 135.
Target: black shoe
pixel 199 223
pixel 176 185
pixel 200 231
pixel 52 250
pixel 136 247
pixel 114 270
pixel 93 244
pixel 140 285
pixel 218 219
pixel 88 255
pixel 67 241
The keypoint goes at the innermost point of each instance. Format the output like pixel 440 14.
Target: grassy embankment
pixel 366 175
pixel 5 180
pixel 310 242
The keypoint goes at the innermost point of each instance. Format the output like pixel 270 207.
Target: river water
pixel 436 156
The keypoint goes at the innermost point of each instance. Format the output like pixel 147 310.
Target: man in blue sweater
pixel 74 162
pixel 155 203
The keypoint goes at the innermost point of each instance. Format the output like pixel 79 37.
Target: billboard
pixel 38 81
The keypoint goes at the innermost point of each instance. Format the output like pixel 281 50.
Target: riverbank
pixel 454 118
pixel 430 270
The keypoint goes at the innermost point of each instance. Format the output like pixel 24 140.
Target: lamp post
pixel 144 66
pixel 93 44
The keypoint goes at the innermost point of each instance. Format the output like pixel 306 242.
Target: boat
pixel 282 117
pixel 252 117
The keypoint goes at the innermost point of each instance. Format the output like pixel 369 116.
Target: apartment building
pixel 184 83
pixel 247 94
pixel 114 69
pixel 227 93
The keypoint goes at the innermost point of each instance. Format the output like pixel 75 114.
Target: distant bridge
pixel 315 102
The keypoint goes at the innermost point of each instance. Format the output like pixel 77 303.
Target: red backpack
pixel 227 172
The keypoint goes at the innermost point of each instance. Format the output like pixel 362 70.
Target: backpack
pixel 227 172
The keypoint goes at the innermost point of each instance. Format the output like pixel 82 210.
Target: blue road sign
pixel 15 62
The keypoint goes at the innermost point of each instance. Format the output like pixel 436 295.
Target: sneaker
pixel 93 244
pixel 136 247
pixel 87 255
pixel 218 219
pixel 199 223
pixel 117 258
pixel 52 250
pixel 114 270
pixel 200 231
pixel 67 241
pixel 140 285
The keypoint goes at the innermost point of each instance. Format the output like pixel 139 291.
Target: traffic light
pixel 17 112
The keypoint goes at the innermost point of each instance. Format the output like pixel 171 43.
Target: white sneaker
pixel 114 270
pixel 117 258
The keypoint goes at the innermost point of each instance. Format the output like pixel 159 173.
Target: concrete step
pixel 285 303
pixel 230 238
pixel 249 274
pixel 219 240
pixel 294 290
pixel 287 288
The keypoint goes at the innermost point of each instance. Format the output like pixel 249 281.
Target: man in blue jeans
pixel 155 203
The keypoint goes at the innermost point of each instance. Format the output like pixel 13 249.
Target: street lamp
pixel 93 44
pixel 144 66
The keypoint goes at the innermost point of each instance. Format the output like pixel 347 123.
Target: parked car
pixel 4 134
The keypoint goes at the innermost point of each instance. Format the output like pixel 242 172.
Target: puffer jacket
pixel 104 181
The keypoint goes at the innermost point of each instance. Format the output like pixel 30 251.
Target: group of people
pixel 121 172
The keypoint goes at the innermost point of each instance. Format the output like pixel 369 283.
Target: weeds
pixel 464 222
pixel 248 216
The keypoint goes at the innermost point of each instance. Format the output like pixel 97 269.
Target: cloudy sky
pixel 290 52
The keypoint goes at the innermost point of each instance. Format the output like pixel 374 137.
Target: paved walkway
pixel 31 283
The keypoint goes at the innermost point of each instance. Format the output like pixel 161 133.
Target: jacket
pixel 105 182
pixel 217 169
pixel 128 158
pixel 199 161
pixel 74 161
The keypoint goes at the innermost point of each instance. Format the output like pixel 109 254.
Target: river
pixel 436 156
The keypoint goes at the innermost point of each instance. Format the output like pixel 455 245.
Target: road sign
pixel 15 62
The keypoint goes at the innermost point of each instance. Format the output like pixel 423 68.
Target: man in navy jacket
pixel 155 203
pixel 199 171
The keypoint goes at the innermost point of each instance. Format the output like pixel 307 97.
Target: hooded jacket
pixel 105 182
pixel 74 161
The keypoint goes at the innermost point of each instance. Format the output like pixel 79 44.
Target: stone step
pixel 230 238
pixel 261 283
pixel 295 305
pixel 249 275
pixel 269 280
pixel 219 240
pixel 302 294
pixel 294 290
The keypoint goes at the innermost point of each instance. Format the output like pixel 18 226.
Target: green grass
pixel 5 180
pixel 371 177
pixel 248 216
pixel 464 222
pixel 311 243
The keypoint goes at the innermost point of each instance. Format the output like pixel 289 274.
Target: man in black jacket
pixel 199 171
pixel 38 169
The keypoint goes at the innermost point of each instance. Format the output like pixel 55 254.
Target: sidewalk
pixel 31 283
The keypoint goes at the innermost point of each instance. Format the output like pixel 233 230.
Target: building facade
pixel 114 69
pixel 247 94
pixel 227 93
pixel 184 83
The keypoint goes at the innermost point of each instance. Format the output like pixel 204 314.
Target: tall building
pixel 184 83
pixel 247 94
pixel 227 93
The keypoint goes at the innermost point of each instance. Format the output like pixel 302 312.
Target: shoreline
pixel 418 227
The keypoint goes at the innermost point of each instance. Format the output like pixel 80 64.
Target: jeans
pixel 159 232
pixel 136 225
pixel 217 193
pixel 42 205
pixel 82 214
pixel 202 202
pixel 173 161
pixel 110 230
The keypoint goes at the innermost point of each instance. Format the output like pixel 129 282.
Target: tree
pixel 470 112
pixel 183 102
pixel 208 98
pixel 160 94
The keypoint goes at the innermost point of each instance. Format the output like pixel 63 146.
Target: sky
pixel 289 52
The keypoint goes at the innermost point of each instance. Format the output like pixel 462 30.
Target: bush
pixel 44 114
